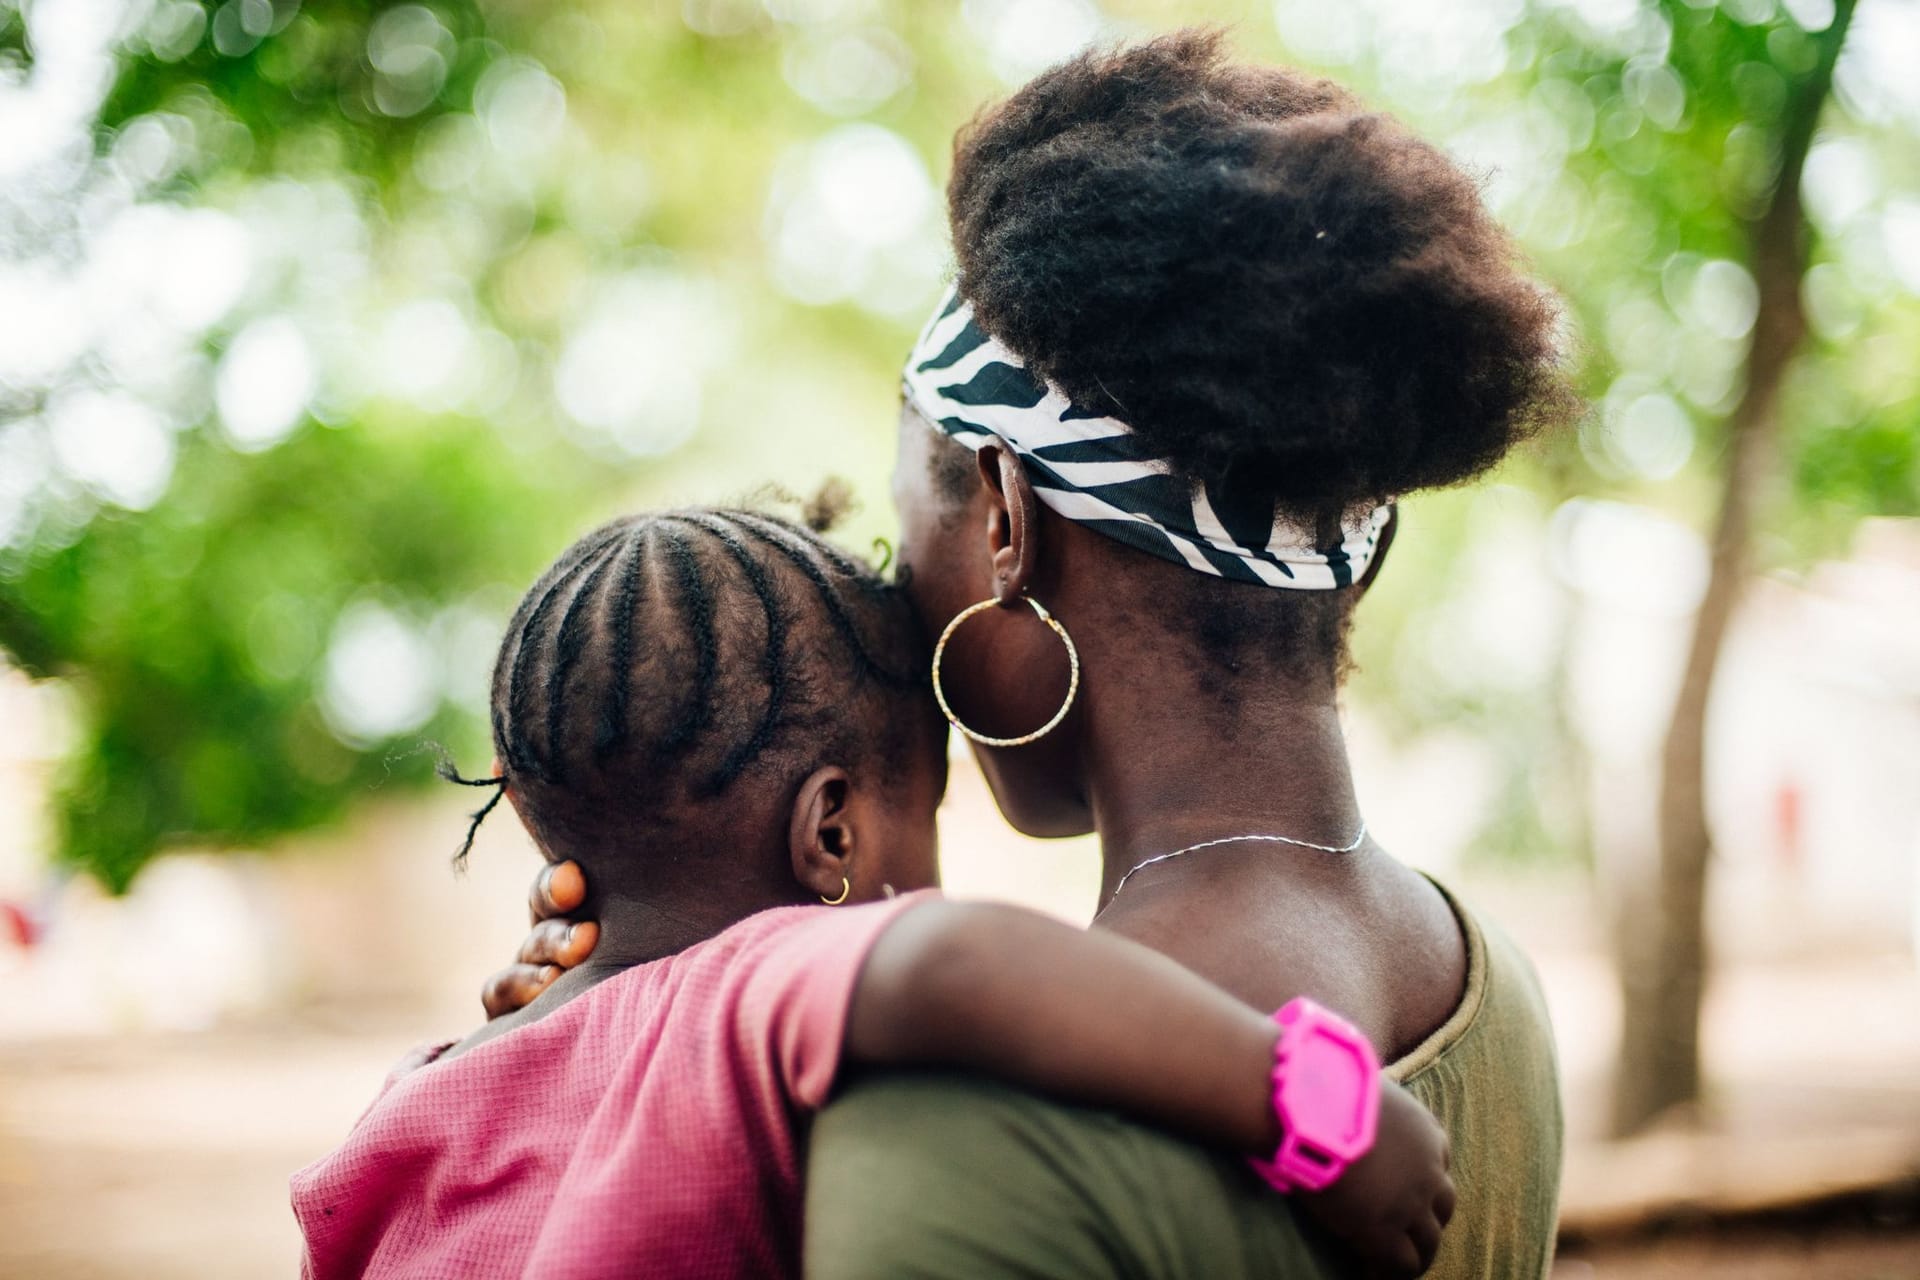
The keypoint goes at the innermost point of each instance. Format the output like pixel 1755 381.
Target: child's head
pixel 720 702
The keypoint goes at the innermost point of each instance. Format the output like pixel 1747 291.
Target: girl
pixel 722 718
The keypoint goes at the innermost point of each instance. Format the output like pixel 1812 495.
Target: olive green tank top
pixel 953 1178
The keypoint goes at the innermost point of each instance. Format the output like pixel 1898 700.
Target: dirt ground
pixel 1760 1256
pixel 1854 1246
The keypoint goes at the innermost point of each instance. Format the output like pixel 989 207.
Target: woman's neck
pixel 1172 752
pixel 1180 740
pixel 1272 768
pixel 1264 920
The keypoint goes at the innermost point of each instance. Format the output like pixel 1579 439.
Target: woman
pixel 1210 320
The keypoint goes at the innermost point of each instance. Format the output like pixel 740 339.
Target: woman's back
pixel 937 1177
pixel 1359 932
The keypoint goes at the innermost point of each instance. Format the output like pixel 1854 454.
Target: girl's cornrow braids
pixel 659 708
pixel 518 748
pixel 772 535
pixel 625 600
pixel 569 640
pixel 696 598
pixel 773 664
pixel 867 583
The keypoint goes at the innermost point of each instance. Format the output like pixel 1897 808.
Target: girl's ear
pixel 820 834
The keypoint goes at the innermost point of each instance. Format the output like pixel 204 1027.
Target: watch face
pixel 1327 1094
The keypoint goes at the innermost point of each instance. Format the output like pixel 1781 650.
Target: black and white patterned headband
pixel 1093 471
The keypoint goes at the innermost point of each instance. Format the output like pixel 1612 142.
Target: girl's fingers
pixel 1426 1241
pixel 580 941
pixel 515 987
pixel 554 945
pixel 559 942
pixel 542 942
pixel 560 888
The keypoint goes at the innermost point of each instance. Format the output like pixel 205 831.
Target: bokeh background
pixel 324 325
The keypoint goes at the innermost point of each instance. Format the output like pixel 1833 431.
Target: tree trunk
pixel 1663 962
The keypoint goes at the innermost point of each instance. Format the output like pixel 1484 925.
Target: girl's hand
pixel 556 943
pixel 1390 1205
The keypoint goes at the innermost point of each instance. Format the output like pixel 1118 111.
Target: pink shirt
pixel 644 1128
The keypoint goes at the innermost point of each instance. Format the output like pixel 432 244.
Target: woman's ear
pixel 1013 521
pixel 820 836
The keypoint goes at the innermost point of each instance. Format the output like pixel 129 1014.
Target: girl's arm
pixel 1080 1015
pixel 1085 1017
pixel 1092 1018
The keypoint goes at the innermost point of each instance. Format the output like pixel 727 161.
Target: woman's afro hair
pixel 1268 283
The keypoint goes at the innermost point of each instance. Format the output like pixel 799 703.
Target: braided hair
pixel 664 657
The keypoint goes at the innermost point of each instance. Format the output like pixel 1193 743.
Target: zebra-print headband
pixel 1092 470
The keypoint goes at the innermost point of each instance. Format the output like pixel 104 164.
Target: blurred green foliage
pixel 192 633
pixel 550 260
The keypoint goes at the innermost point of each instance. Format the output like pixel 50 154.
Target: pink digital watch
pixel 1326 1096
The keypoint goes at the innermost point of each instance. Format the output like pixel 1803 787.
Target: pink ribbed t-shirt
pixel 644 1128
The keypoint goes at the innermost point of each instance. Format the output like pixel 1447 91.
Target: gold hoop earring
pixel 1073 677
pixel 846 887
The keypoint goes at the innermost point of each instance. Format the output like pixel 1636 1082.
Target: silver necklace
pixel 1348 847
